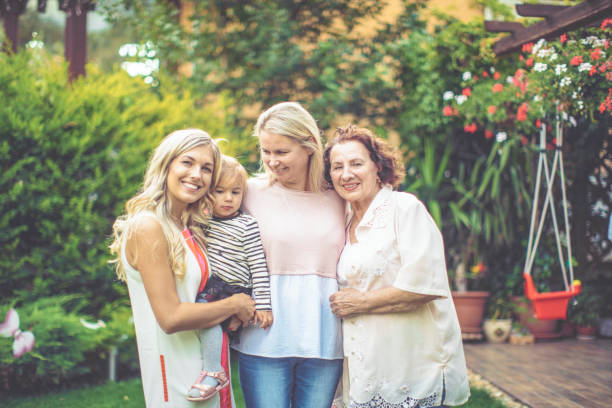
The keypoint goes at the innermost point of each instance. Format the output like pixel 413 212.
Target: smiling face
pixel 354 174
pixel 228 196
pixel 189 177
pixel 286 158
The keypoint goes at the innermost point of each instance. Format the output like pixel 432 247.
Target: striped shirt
pixel 236 255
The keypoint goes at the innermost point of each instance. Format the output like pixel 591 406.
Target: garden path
pixel 560 373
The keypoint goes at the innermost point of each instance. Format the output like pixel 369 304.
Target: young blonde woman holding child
pixel 158 246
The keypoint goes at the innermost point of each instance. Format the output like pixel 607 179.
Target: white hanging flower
pixel 580 105
pixel 460 99
pixel 538 45
pixel 574 95
pixel 492 70
pixel 540 67
pixel 572 121
pixel 537 98
pixel 501 136
pixel 448 95
pixel 561 68
pixel 509 79
pixel 554 56
pixel 585 66
pixel 600 42
pixel 543 53
pixel 564 115
pixel 565 81
pixel 467 76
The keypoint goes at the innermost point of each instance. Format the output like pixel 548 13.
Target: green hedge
pixel 71 154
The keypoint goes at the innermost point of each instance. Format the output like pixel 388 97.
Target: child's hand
pixel 234 324
pixel 264 318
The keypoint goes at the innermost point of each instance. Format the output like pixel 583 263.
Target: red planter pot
pixel 541 329
pixel 470 310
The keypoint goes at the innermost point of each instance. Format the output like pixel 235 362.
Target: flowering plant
pixel 571 76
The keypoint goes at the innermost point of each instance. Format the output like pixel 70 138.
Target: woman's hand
pixel 246 307
pixel 234 324
pixel 264 318
pixel 346 302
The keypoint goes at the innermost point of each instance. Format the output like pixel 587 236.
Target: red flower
pixel 467 92
pixel 485 74
pixel 448 111
pixel 593 70
pixel 521 113
pixel 488 134
pixel 563 38
pixel 602 107
pixel 554 141
pixel 529 62
pixel 527 47
pixel 577 60
pixel 492 109
pixel 498 87
pixel 496 75
pixel 524 140
pixel 595 54
pixel 605 23
pixel 475 77
pixel 538 123
pixel 471 128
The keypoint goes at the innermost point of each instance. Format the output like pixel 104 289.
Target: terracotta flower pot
pixel 541 329
pixel 470 310
pixel 586 332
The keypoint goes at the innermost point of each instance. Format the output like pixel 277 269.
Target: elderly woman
pixel 402 341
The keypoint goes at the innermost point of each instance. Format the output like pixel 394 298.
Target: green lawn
pixel 128 394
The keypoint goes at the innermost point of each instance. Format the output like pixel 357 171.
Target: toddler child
pixel 237 265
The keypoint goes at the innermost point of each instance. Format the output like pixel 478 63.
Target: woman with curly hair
pixel 402 341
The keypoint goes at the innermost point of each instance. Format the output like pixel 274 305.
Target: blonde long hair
pixel 290 119
pixel 153 197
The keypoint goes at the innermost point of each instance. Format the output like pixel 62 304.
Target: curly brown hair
pixel 388 160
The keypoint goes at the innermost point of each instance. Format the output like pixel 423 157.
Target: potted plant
pixel 498 325
pixel 469 303
pixel 584 312
pixel 520 334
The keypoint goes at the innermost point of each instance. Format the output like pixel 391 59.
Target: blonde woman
pixel 298 361
pixel 159 253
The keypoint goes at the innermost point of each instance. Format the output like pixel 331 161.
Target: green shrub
pixel 71 155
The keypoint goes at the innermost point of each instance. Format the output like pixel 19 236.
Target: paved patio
pixel 556 373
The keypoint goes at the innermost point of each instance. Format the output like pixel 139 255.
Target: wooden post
pixel 75 35
pixel 10 11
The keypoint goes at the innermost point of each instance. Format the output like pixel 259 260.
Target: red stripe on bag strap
pixel 163 373
pixel 200 257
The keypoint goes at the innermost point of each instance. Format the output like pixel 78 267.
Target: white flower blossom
pixel 580 105
pixel 572 121
pixel 467 76
pixel 501 136
pixel 543 53
pixel 565 81
pixel 585 66
pixel 554 56
pixel 561 68
pixel 564 115
pixel 509 79
pixel 540 67
pixel 448 95
pixel 600 42
pixel 574 95
pixel 537 98
pixel 460 99
pixel 492 70
pixel 538 45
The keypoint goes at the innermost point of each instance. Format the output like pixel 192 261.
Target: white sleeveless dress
pixel 169 363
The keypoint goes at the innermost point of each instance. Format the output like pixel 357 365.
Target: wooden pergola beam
pixel 556 23
pixel 10 10
pixel 538 10
pixel 503 26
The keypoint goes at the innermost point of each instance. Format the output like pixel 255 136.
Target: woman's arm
pixel 147 252
pixel 351 302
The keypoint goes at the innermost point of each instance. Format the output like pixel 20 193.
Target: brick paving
pixel 566 373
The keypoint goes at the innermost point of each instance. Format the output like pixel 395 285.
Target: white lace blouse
pixel 401 359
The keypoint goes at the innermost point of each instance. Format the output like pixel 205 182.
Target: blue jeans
pixel 288 382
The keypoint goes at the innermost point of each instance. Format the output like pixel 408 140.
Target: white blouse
pixel 400 359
